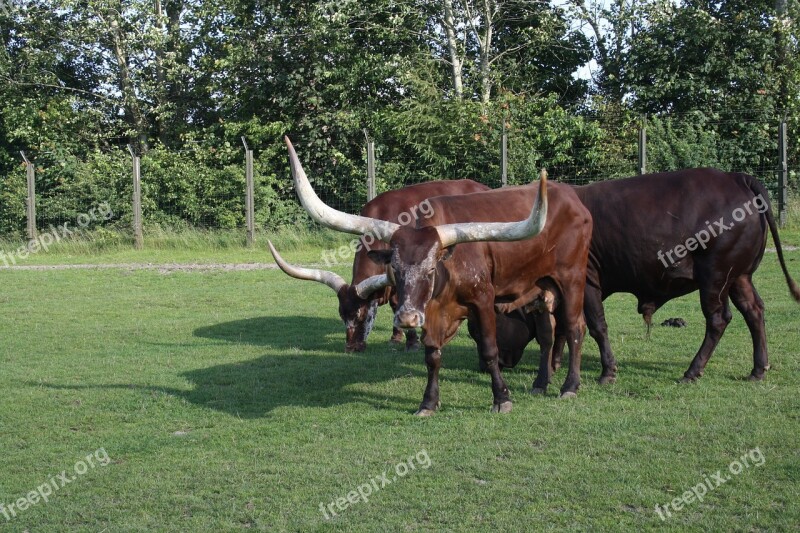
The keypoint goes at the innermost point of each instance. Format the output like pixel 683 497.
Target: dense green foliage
pixel 434 83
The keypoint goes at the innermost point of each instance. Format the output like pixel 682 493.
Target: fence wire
pixel 205 187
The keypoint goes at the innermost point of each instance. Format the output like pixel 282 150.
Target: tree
pixel 492 43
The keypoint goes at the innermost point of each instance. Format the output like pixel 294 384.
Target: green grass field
pixel 223 401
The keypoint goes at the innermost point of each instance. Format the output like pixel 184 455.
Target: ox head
pixel 357 306
pixel 415 255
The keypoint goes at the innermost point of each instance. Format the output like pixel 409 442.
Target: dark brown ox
pixel 661 236
pixel 518 327
pixel 357 308
pixel 475 248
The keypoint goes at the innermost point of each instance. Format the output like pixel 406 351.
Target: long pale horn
pixel 451 234
pixel 331 279
pixel 328 216
pixel 372 284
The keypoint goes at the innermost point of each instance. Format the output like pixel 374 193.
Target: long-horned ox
pixel 661 236
pixel 476 248
pixel 357 308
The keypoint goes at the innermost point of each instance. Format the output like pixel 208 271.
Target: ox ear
pixel 448 253
pixel 382 257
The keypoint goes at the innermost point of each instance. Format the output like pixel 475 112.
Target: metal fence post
pixel 783 172
pixel 31 200
pixel 370 167
pixel 138 239
pixel 643 146
pixel 249 200
pixel 504 159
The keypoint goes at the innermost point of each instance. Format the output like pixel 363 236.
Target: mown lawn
pixel 224 401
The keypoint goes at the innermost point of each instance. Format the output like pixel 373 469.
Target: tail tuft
pixel 795 291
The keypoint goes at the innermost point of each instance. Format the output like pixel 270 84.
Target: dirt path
pixel 164 268
pixel 168 268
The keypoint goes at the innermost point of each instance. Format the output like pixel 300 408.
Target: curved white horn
pixel 327 216
pixel 331 279
pixel 372 284
pixel 451 234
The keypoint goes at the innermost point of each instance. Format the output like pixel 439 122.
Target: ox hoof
pixel 757 374
pixel 538 391
pixel 424 412
pixel 504 407
pixel 686 379
pixel 413 347
pixel 568 394
pixel 607 380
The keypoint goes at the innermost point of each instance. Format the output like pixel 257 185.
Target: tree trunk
pixel 485 43
pixel 130 101
pixel 452 48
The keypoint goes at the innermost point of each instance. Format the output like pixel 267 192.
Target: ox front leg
pixel 397 333
pixel 430 400
pixel 545 326
pixel 412 340
pixel 397 336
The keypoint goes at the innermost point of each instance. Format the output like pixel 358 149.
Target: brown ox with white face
pixel 475 248
pixel 357 305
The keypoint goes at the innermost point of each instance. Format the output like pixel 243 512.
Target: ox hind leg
pixel 716 309
pixel 545 329
pixel 558 350
pixel 571 315
pixel 598 329
pixel 749 303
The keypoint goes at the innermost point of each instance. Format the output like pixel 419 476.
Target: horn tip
pixel 273 251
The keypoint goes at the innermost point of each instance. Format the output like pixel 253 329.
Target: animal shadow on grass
pixel 283 332
pixel 253 388
pixel 293 372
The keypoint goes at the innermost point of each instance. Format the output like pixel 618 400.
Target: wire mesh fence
pixel 205 187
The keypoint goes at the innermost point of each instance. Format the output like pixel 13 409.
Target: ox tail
pixel 758 188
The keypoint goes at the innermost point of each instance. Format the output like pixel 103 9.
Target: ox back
pixel 661 236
